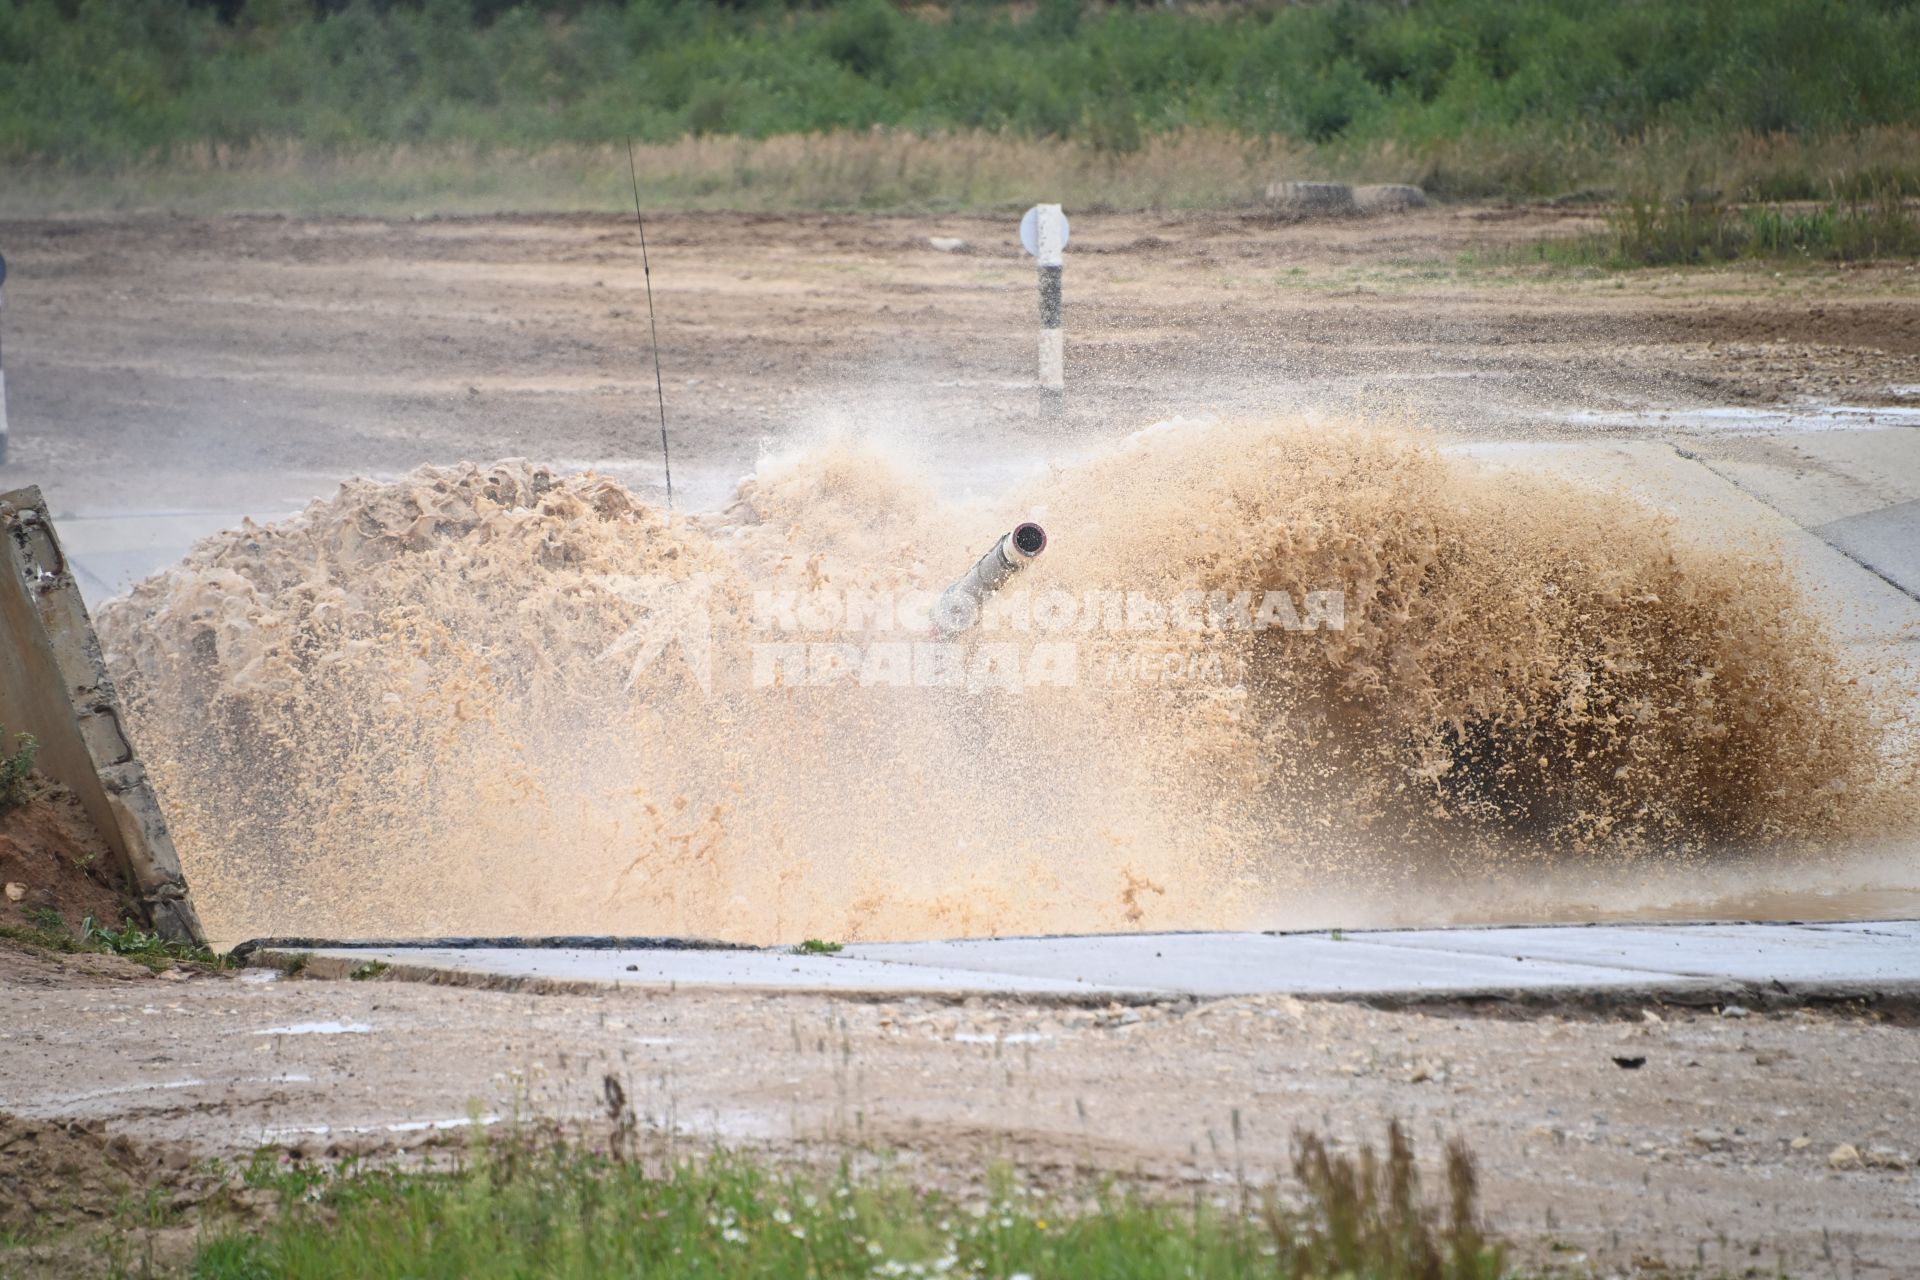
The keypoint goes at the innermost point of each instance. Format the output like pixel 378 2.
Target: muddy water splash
pixel 474 701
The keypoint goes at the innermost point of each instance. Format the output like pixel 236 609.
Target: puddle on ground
pixel 317 1029
pixel 1771 419
pixel 1017 1037
pixel 399 1126
pixel 56 1105
pixel 734 1123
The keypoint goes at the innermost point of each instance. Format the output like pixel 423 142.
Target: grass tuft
pixel 15 766
pixel 1369 1218
pixel 149 949
pixel 1702 230
pixel 510 1210
pixel 46 919
pixel 50 932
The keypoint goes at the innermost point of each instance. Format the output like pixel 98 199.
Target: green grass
pixel 1648 231
pixel 46 919
pixel 50 932
pixel 513 1210
pixel 819 947
pixel 1775 98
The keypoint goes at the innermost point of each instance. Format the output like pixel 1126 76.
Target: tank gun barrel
pixel 959 605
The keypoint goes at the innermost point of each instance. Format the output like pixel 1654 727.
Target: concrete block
pixel 1317 198
pixel 1389 197
pixel 54 685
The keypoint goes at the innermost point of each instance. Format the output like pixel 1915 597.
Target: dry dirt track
pixel 1715 1154
pixel 250 363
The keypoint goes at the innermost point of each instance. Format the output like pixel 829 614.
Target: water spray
pixel 653 328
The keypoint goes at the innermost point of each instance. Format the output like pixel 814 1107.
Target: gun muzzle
pixel 959 605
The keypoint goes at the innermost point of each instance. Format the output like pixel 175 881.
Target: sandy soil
pixel 249 363
pixel 1719 1151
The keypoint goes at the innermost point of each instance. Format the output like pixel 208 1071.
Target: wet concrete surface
pixel 752 970
pixel 1695 963
pixel 1754 494
pixel 110 551
pixel 1886 541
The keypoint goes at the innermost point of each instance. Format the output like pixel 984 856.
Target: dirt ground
pixel 53 863
pixel 1759 1141
pixel 248 364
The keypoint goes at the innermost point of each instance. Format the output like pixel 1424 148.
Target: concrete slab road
pixel 1711 961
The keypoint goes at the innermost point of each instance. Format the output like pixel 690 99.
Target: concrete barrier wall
pixel 54 685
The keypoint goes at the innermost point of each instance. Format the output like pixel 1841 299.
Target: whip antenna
pixel 653 327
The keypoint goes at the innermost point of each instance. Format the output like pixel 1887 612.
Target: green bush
pixel 149 949
pixel 105 81
pixel 49 930
pixel 14 769
pixel 864 37
pixel 1650 231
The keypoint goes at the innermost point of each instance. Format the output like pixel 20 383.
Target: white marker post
pixel 1043 232
pixel 3 369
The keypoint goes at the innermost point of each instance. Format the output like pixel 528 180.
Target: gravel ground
pixel 251 363
pixel 1741 1140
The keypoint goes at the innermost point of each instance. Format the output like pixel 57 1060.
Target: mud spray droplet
pixel 473 700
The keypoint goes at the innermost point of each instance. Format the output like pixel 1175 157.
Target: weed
pixel 1648 231
pixel 270 1169
pixel 48 940
pixel 512 1209
pixel 15 766
pixel 149 949
pixel 48 919
pixel 819 947
pixel 368 970
pixel 1879 224
pixel 1368 1217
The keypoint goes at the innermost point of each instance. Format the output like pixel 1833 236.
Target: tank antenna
pixel 653 328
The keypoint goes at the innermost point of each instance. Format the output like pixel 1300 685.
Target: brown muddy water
pixel 1265 675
